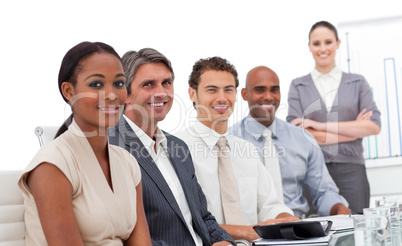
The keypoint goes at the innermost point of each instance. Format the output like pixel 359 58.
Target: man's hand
pixel 248 233
pixel 339 208
pixel 281 218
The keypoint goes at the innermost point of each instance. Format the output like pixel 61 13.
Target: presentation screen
pixel 373 48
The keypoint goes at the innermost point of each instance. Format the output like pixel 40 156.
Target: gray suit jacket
pixel 354 94
pixel 165 220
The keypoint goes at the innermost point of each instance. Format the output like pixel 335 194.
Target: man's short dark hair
pixel 212 63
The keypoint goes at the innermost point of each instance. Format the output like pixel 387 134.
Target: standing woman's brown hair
pixel 78 189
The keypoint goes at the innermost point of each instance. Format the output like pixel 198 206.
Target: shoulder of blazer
pixel 122 135
pixel 352 77
pixel 304 80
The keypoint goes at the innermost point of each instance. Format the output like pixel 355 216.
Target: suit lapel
pixel 180 169
pixel 144 159
pixel 178 159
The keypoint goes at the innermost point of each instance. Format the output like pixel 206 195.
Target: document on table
pixel 316 241
pixel 340 222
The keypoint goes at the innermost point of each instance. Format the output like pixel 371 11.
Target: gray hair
pixel 133 60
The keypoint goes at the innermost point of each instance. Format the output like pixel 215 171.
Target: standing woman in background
pixel 338 109
pixel 78 189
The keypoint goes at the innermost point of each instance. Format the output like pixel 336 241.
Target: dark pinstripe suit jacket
pixel 165 220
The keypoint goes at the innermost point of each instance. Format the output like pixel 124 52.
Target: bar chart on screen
pixel 373 49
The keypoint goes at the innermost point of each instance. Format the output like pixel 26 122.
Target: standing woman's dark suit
pixel 165 220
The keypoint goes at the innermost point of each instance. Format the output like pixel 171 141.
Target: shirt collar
pixel 144 138
pixel 208 135
pixel 255 128
pixel 315 74
pixel 336 73
pixel 160 138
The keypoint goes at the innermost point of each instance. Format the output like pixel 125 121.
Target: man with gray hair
pixel 175 206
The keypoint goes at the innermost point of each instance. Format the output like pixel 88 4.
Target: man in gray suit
pixel 175 206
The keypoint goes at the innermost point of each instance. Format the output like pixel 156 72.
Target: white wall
pixel 36 34
pixel 384 176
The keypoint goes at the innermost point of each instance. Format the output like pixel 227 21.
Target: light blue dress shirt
pixel 301 161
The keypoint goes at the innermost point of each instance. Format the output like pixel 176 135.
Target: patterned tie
pixel 272 162
pixel 229 193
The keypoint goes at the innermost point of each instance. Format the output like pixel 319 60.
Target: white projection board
pixel 373 48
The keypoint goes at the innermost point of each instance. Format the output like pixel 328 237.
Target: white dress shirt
pixel 162 160
pixel 258 198
pixel 327 85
